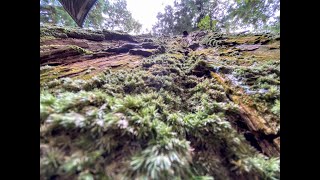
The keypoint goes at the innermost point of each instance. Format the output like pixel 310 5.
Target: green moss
pixel 63 32
pixel 246 39
pixel 213 39
pixel 168 119
pixel 54 31
pixel 161 160
pixel 276 108
pixel 46 38
pixel 80 50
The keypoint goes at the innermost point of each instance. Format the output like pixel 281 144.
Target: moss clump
pixel 213 39
pixel 46 38
pixel 168 119
pixel 80 50
pixel 200 68
pixel 276 108
pixel 85 34
pixel 53 31
pixel 114 35
pixel 45 68
pixel 167 158
pixel 62 32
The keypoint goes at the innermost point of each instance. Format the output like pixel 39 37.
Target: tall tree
pixel 186 14
pixel 218 15
pixel 117 17
pixel 165 22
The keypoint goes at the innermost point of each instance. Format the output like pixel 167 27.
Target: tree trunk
pixel 129 103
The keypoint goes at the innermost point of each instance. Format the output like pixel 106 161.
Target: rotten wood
pixel 256 123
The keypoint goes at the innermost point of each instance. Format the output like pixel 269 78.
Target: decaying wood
pixel 254 121
pixel 60 53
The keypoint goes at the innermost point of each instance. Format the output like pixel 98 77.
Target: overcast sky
pixel 145 11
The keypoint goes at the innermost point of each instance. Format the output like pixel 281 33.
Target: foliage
pixel 207 24
pixel 258 13
pixel 227 15
pixel 51 11
pixel 103 15
pixel 183 16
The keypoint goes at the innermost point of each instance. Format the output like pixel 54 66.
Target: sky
pixel 145 11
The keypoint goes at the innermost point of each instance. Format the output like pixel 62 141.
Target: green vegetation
pixel 219 15
pixel 203 106
pixel 118 17
pixel 207 24
pixel 81 50
pixel 164 120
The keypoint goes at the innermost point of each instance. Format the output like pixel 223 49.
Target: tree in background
pixel 165 22
pixel 207 24
pixel 104 15
pixel 181 17
pixel 274 26
pixel 211 13
pixel 186 15
pixel 117 17
pixel 261 14
pixel 52 12
pixel 218 15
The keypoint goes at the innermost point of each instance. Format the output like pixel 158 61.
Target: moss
pixel 200 68
pixel 115 35
pixel 87 76
pixel 244 39
pixel 176 56
pixel 170 118
pixel 53 73
pixel 47 78
pixel 213 40
pixel 276 108
pixel 46 38
pixel 54 31
pixel 164 165
pixel 85 34
pixel 62 32
pixel 262 55
pixel 80 50
pixel 46 68
pixel 51 46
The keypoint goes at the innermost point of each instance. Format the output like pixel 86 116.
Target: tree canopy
pixel 183 15
pixel 104 15
pixel 219 15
